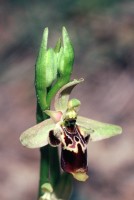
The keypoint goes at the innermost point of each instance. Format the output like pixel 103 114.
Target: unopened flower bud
pixel 66 55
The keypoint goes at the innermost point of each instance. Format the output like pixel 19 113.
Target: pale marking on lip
pixel 74 145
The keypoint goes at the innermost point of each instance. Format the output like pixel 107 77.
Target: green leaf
pixel 98 130
pixel 37 136
pixel 62 96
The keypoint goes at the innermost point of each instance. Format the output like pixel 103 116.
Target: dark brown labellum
pixel 54 141
pixel 74 149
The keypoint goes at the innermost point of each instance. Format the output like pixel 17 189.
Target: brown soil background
pixel 104 46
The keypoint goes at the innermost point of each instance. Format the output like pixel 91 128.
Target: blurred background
pixel 102 32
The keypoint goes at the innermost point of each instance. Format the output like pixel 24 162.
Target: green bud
pixel 46 66
pixel 47 187
pixel 40 63
pixel 52 66
pixel 66 55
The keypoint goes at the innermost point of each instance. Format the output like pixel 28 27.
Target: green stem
pixel 39 114
pixel 64 188
pixel 49 164
pixel 49 160
pixel 44 157
pixel 54 165
pixel 44 167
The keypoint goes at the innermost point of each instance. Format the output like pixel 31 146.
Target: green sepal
pixel 37 136
pixel 97 130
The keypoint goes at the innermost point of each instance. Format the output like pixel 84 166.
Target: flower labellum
pixel 73 132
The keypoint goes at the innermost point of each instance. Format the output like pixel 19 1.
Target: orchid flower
pixel 73 132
